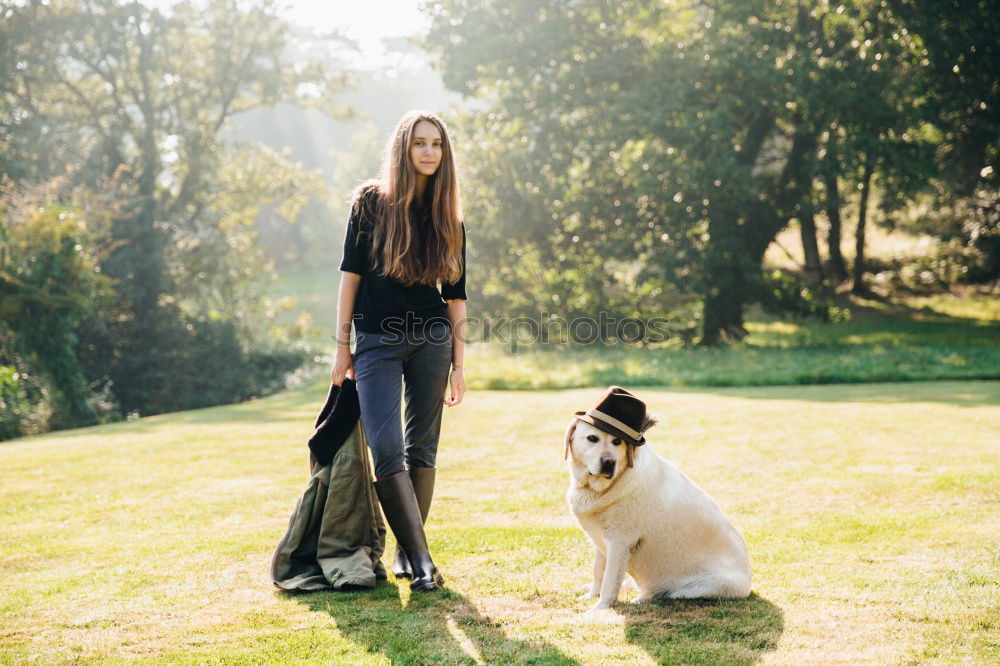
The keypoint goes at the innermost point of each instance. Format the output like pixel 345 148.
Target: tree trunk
pixel 726 283
pixel 795 191
pixel 722 318
pixel 733 267
pixel 736 246
pixel 859 235
pixel 832 201
pixel 807 230
pixel 725 279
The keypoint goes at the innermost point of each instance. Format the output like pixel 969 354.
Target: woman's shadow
pixel 425 628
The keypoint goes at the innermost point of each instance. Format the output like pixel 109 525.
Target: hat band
pixel 610 420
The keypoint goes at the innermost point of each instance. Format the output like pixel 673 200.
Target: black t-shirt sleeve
pixel 355 246
pixel 456 290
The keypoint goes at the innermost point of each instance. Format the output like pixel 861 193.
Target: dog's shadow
pixel 710 631
pixel 440 627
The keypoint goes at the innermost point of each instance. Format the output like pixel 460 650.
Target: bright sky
pixel 368 22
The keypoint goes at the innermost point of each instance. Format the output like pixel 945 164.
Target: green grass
pixel 870 511
pixel 947 336
pixel 883 341
pixel 493 368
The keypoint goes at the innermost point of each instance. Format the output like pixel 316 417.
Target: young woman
pixel 405 237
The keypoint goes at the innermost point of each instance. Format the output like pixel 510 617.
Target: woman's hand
pixel 343 366
pixel 457 387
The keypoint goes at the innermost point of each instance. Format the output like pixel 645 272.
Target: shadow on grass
pixel 705 631
pixel 431 628
pixel 972 393
pixel 878 322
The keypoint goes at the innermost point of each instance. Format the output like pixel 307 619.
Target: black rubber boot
pixel 399 503
pixel 422 479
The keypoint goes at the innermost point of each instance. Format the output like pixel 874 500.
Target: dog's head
pixel 598 457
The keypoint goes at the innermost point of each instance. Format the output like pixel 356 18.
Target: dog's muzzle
pixel 607 467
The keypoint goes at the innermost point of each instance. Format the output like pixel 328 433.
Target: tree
pixel 143 94
pixel 959 74
pixel 831 205
pixel 679 138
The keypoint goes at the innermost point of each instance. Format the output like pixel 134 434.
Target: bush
pixel 783 293
pixel 186 363
pixel 49 281
pixel 12 403
pixel 941 266
pixel 211 367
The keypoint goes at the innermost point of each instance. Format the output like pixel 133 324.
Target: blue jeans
pixel 421 360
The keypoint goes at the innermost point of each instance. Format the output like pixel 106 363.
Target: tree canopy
pixel 131 101
pixel 642 155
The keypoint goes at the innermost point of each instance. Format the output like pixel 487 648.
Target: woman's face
pixel 426 148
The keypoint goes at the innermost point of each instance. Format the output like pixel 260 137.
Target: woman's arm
pixel 456 315
pixel 343 365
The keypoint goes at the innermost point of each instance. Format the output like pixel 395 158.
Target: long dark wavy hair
pixel 388 199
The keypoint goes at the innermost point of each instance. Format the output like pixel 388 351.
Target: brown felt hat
pixel 618 413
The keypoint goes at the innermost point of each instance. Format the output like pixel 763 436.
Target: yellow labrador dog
pixel 645 516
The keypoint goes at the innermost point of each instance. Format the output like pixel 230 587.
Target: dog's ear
pixel 569 437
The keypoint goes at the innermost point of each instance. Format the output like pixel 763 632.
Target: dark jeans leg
pixel 425 372
pixel 378 368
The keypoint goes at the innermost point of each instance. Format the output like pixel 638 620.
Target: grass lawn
pixel 871 512
pixel 947 336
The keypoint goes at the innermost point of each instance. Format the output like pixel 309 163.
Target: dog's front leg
pixel 615 564
pixel 595 587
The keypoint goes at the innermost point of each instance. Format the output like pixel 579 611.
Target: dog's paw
pixel 587 595
pixel 600 607
pixel 639 600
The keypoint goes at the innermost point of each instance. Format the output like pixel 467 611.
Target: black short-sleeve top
pixel 383 304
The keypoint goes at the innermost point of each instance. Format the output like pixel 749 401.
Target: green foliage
pixel 958 70
pixel 12 403
pixel 210 367
pixel 969 224
pixel 138 96
pixel 222 271
pixel 49 280
pixel 676 138
pixel 191 362
pixel 946 265
pixel 786 294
